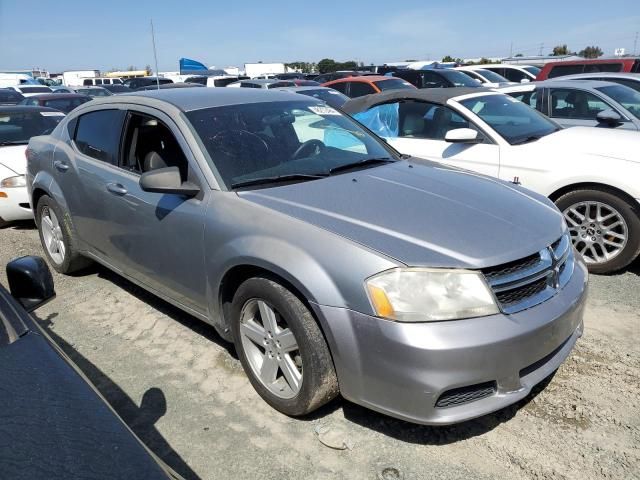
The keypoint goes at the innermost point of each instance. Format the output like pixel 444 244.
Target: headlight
pixel 11 182
pixel 427 295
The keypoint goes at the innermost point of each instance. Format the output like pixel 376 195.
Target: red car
pixel 65 102
pixel 572 67
pixel 359 86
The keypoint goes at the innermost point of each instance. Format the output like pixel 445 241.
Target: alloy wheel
pixel 598 231
pixel 52 235
pixel 271 349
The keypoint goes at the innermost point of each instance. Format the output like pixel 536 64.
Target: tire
pixel 318 382
pixel 3 223
pixel 63 260
pixel 582 231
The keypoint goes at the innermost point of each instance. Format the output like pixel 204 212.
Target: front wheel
pixel 604 228
pixel 281 348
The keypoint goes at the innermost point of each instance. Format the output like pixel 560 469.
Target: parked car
pixel 94 91
pixel 587 103
pixel 248 197
pixel 254 83
pixel 214 81
pixel 329 96
pixel 55 418
pixel 290 76
pixel 137 82
pixel 118 89
pixel 589 65
pixel 28 90
pixel 589 173
pixel 328 77
pixel 295 83
pixel 169 85
pixel 8 96
pixel 631 80
pixel 65 102
pixel 436 78
pixel 358 86
pixel 101 81
pixel 17 125
pixel 514 73
pixel 61 89
pixel 487 78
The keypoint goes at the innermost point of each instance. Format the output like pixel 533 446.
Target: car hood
pixel 593 141
pixel 423 214
pixel 13 158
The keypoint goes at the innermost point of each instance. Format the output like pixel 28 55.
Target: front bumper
pixel 15 206
pixel 403 369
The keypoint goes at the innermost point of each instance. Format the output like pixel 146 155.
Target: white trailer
pixel 253 70
pixel 74 78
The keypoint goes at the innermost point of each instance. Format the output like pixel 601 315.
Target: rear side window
pixel 603 67
pixel 87 82
pixel 561 70
pixel 515 75
pixel 359 89
pixel 98 135
pixel 341 87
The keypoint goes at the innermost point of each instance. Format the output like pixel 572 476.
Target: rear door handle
pixel 116 189
pixel 61 166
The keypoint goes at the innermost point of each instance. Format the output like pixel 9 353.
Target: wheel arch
pixel 591 185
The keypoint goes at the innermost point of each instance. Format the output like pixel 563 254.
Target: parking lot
pixel 182 390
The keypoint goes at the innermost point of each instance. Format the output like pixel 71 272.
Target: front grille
pixel 527 282
pixel 462 395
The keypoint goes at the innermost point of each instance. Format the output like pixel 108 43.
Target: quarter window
pixel 98 135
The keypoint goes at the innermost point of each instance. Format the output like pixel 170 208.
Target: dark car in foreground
pixel 8 96
pixel 333 264
pixel 137 82
pixel 55 424
pixel 437 78
pixel 65 102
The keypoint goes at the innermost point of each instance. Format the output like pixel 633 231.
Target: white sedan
pixel 592 174
pixel 17 125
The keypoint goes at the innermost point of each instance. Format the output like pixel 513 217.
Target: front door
pixel 157 238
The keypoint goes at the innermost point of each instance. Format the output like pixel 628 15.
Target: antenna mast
pixel 155 55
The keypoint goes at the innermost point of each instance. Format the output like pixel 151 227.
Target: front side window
pixel 427 120
pixel 512 119
pixel 253 142
pixel 98 134
pixel 515 75
pixel 360 89
pixel 459 79
pixel 578 104
pixel 341 87
pixel 432 80
pixel 627 97
pixel 16 127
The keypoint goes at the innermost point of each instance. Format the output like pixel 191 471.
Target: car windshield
pixel 516 122
pixel 625 96
pixel 18 127
pixel 269 140
pixel 394 84
pixel 532 70
pixel 459 79
pixel 327 95
pixel 491 76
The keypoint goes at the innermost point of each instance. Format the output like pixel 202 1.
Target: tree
pixel 327 65
pixel 591 52
pixel 448 59
pixel 560 50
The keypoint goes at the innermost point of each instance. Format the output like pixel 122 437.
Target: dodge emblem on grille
pixel 555 276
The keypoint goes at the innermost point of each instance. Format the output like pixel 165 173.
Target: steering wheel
pixel 308 147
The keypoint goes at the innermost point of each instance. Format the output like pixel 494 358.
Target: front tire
pixel 57 238
pixel 604 228
pixel 281 348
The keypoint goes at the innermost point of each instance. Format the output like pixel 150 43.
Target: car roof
pixel 56 96
pixel 305 88
pixel 438 96
pixel 562 82
pixel 262 81
pixel 189 99
pixel 26 108
pixel 361 78
pixel 631 76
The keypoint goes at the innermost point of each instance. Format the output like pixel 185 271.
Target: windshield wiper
pixel 360 163
pixel 13 142
pixel 277 179
pixel 531 138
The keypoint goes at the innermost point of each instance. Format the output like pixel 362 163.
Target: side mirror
pixel 167 180
pixel 609 118
pixel 525 80
pixel 462 135
pixel 30 282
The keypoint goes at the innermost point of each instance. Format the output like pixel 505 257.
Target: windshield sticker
pixel 52 114
pixel 321 110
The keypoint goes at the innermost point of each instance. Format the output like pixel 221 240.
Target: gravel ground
pixel 182 390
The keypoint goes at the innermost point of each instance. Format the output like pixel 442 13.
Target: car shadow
pixel 140 419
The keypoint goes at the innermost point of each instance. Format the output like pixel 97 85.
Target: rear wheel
pixel 281 348
pixel 604 228
pixel 57 237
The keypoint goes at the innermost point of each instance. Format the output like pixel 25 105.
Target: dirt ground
pixel 182 390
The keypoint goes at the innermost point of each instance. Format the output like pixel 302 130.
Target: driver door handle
pixel 61 166
pixel 116 189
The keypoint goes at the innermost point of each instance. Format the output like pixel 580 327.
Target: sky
pixel 72 35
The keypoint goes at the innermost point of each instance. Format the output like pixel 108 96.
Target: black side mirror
pixel 167 180
pixel 609 118
pixel 30 282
